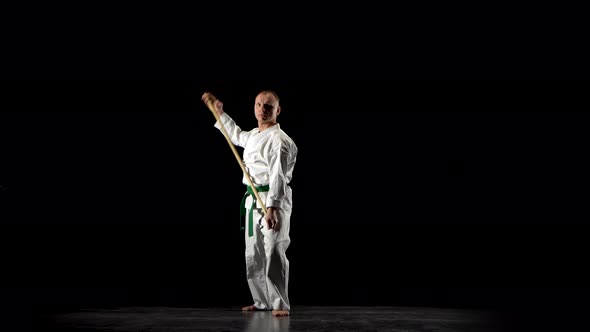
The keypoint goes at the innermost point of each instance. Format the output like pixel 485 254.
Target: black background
pixel 442 156
pixel 468 194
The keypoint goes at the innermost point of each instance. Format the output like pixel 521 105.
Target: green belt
pixel 250 192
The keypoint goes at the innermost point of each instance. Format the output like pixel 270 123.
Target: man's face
pixel 266 108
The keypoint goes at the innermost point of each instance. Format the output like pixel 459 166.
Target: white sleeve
pixel 235 133
pixel 278 161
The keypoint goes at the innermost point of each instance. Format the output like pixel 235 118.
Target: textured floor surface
pixel 408 319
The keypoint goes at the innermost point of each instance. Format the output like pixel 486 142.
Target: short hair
pixel 272 92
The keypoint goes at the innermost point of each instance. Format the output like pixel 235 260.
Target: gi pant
pixel 267 266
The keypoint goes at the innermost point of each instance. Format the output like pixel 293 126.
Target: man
pixel 269 157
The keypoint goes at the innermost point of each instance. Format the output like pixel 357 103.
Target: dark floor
pixel 409 319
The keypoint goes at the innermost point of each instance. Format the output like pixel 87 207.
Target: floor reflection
pixel 264 321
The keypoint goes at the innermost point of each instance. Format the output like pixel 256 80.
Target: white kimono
pixel 269 157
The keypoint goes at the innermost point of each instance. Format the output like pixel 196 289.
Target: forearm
pixel 232 130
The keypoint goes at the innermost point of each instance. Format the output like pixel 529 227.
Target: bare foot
pixel 250 308
pixel 280 313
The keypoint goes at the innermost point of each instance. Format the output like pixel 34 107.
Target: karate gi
pixel 269 157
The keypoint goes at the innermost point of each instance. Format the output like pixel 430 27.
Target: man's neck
pixel 265 125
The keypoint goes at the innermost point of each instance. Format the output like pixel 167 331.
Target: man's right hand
pixel 210 100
